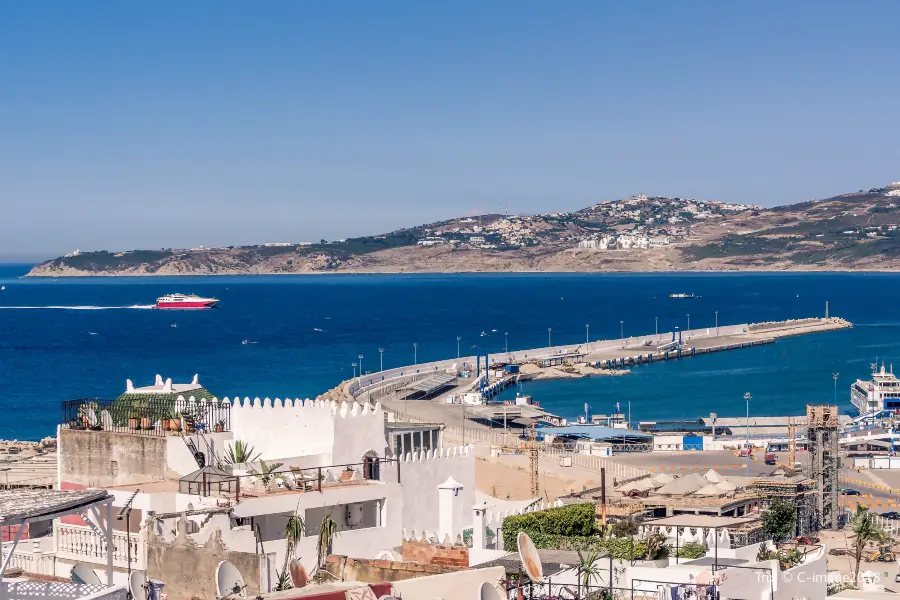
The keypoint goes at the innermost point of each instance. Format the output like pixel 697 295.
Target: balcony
pixel 147 415
pixel 80 543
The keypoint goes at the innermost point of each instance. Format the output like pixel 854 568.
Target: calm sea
pixel 308 330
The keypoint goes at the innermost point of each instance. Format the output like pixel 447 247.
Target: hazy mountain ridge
pixel 857 231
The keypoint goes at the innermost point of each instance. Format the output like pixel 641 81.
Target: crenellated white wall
pixel 420 475
pixel 341 433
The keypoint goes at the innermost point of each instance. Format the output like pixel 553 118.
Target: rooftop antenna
pixel 125 513
pixel 229 581
pixel 531 560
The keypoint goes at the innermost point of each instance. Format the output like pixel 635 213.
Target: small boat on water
pixel 317 329
pixel 682 296
pixel 185 301
pixel 483 334
pixel 174 325
pixel 245 342
pixel 2 288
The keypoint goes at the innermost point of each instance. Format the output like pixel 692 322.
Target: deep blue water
pixel 48 355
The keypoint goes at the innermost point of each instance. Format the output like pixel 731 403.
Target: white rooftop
pixel 163 387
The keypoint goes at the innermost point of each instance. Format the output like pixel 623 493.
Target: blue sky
pixel 180 123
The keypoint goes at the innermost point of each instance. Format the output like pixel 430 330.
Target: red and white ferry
pixel 183 301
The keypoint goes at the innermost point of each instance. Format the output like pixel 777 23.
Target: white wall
pixel 45 590
pixel 340 433
pixel 181 462
pixel 463 585
pixel 420 475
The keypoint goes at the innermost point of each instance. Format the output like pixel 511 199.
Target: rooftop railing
pixel 147 416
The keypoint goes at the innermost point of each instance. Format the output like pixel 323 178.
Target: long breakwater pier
pixel 590 357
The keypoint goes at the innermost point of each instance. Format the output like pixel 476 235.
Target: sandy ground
pixel 507 477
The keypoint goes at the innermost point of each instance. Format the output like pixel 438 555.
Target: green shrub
pixel 691 550
pixel 578 520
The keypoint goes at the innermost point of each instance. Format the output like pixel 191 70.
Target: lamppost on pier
pixel 835 376
pixel 747 397
pixel 622 332
pixel 415 353
pixel 506 342
pixel 458 340
pixel 587 334
pixel 360 365
pixel 549 342
pixel 381 356
pixel 689 325
pixel 354 369
pixel 657 326
pixel 717 323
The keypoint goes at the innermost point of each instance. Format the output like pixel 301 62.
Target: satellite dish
pixel 299 576
pixel 229 581
pixel 136 582
pixel 488 592
pixel 83 574
pixel 531 561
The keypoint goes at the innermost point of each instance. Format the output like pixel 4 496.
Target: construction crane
pixel 533 460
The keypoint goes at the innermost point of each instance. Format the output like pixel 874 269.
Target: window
pixel 407 443
pixel 371 467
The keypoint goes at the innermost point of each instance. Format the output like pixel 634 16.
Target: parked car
pixel 850 492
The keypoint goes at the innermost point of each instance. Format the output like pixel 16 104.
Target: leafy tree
pixel 656 545
pixel 625 528
pixel 778 520
pixel 692 550
pixel 865 530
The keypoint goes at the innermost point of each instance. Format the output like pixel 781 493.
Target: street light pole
pixel 747 397
pixel 458 339
pixel 415 353
pixel 689 325
pixel 549 339
pixel 835 376
pixel 657 326
pixel 381 356
pixel 360 366
pixel 622 332
pixel 717 323
pixel 506 342
pixel 587 334
pixel 354 369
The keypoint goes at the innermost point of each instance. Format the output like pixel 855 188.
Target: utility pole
pixel 835 376
pixel 747 397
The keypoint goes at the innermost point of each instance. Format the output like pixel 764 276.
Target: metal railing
pixel 147 416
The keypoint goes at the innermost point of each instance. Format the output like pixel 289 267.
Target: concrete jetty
pixel 607 354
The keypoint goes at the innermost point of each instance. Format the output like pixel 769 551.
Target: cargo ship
pixel 185 301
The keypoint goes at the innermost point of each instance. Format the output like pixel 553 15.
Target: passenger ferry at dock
pixel 881 393
pixel 185 301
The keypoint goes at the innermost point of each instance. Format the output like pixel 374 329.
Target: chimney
pixel 448 500
pixel 479 523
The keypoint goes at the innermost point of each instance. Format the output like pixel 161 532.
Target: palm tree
pixel 865 530
pixel 327 531
pixel 266 472
pixel 588 568
pixel 240 453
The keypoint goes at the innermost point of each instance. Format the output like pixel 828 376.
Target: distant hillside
pixel 851 231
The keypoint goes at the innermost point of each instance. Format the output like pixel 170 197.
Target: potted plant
pixel 133 422
pixel 347 473
pixel 220 426
pixel 146 423
pixel 175 421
